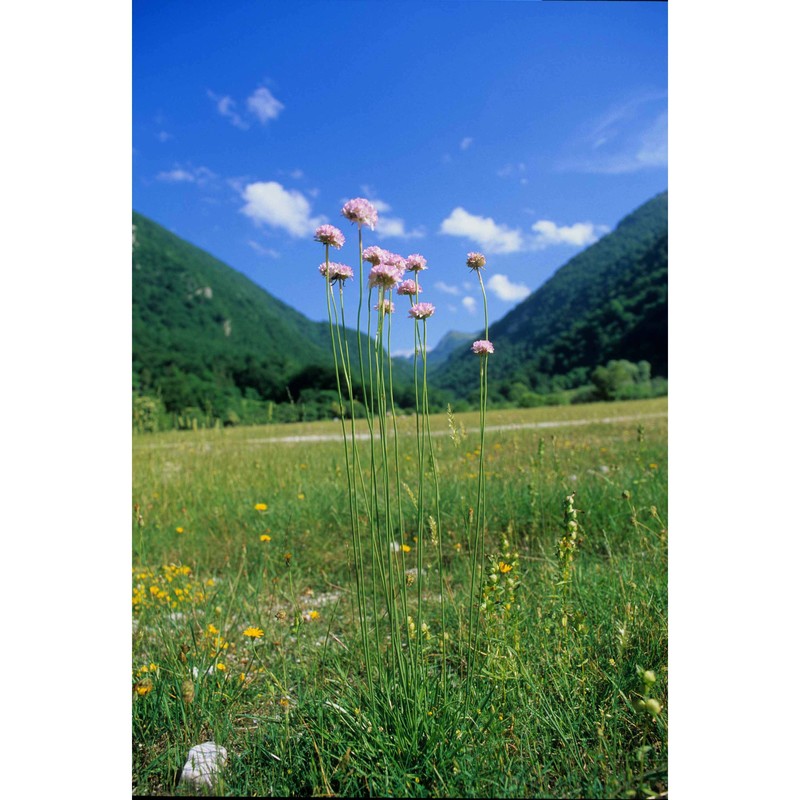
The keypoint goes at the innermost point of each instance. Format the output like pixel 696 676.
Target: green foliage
pixel 607 303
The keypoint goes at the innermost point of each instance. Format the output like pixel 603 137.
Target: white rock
pixel 203 763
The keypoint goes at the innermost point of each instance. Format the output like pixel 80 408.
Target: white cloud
pixel 470 304
pixel 163 136
pixel 225 106
pixel 578 235
pixel 491 237
pixel 391 227
pixel 446 288
pixel 198 175
pixel 630 136
pixel 506 290
pixel 263 251
pixel 264 105
pixel 176 175
pixel 466 142
pixel 268 202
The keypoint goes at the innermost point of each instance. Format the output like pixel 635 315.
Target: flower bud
pixel 652 706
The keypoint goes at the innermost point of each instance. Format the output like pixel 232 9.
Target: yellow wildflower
pixel 260 506
pixel 178 530
pixel 265 537
pixel 221 667
pixel 143 686
pixel 253 633
pixel 503 567
pixel 406 548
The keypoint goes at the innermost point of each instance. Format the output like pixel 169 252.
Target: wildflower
pixel 374 254
pixel 212 630
pixel 221 667
pixel 387 307
pixel 301 496
pixel 385 276
pixel 260 506
pixel 482 347
pixel 253 633
pixel 178 530
pixel 405 548
pixel 335 272
pixel 327 234
pixel 421 310
pixel 409 287
pixel 476 261
pixel 143 687
pixel 416 263
pixel 187 691
pixel 265 537
pixel 652 706
pixel 394 260
pixel 503 567
pixel 361 211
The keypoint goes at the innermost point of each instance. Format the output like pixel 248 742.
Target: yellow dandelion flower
pixel 503 567
pixel 212 630
pixel 253 633
pixel 178 530
pixel 242 677
pixel 265 537
pixel 260 506
pixel 406 548
pixel 314 614
pixel 221 667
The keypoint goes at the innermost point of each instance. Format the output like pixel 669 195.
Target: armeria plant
pixel 407 658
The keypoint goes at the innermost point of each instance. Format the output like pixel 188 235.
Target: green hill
pixel 207 339
pixel 607 303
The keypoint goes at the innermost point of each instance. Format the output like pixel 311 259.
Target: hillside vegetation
pixel 607 303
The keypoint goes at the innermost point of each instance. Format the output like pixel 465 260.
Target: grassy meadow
pixel 245 625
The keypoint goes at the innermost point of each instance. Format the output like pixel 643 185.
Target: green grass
pixel 555 707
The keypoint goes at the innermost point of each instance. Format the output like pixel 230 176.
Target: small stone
pixel 203 763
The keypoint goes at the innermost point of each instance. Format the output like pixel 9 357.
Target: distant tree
pixel 618 377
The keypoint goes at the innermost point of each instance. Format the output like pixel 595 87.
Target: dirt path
pixel 334 437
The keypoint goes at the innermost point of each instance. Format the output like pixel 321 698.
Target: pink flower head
pixel 335 272
pixel 409 287
pixel 385 276
pixel 416 262
pixel 421 310
pixel 327 234
pixel 374 254
pixel 361 211
pixel 482 347
pixel 394 260
pixel 386 307
pixel 476 261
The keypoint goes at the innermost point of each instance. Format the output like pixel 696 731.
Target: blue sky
pixel 523 130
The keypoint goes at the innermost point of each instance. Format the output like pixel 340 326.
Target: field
pixel 246 625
